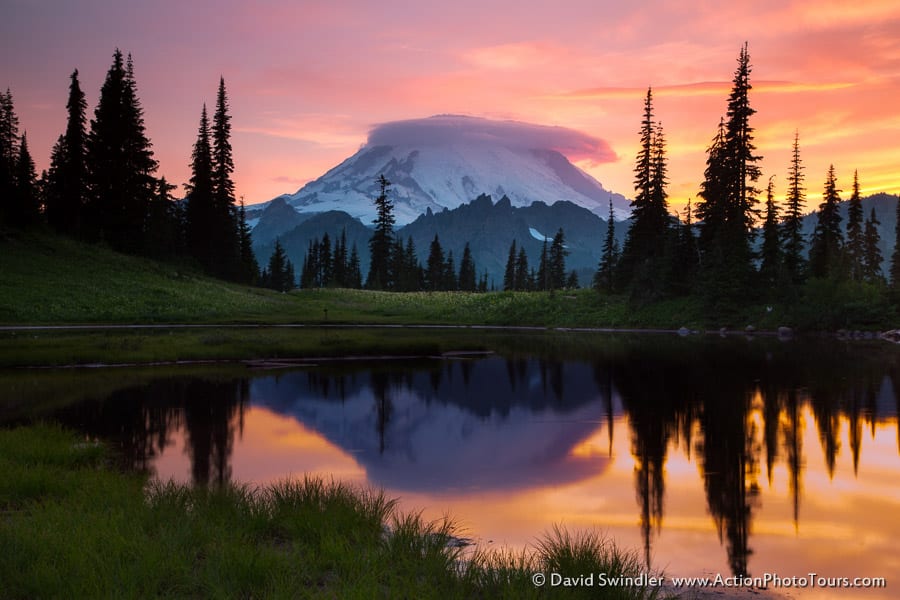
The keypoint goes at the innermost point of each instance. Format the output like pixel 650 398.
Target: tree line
pixel 102 185
pixel 719 258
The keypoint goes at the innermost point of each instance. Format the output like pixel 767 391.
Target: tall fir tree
pixel 249 267
pixel 557 261
pixel 200 212
pixel 524 281
pixel 67 186
pixel 826 249
pixel 642 257
pixel 354 270
pixel 225 226
pixel 280 272
pixel 467 277
pixel 792 223
pixel 771 256
pixel 382 238
pixel 729 197
pixel 604 278
pixel 450 283
pixel 25 209
pixel 855 248
pixel 871 252
pixel 9 154
pixel 434 268
pixel 509 274
pixel 120 163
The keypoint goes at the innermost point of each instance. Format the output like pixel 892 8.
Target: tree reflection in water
pixel 733 407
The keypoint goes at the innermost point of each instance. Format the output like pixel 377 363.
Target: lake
pixel 705 455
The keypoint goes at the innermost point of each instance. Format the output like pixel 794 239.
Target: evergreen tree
pixel 604 277
pixel 412 270
pixel 642 257
pixel 67 185
pixel 855 242
pixel 792 225
pixel 871 252
pixel 572 280
pixel 483 283
pixel 729 198
pixel 524 280
pixel 280 270
pixel 340 260
pixel 354 272
pixel 25 209
pixel 200 213
pixel 434 269
pixel 164 220
pixel 509 275
pixel 9 154
pixel 120 163
pixel 382 238
pixel 557 261
pixel 770 266
pixel 685 260
pixel 224 227
pixel 249 268
pixel 467 276
pixel 449 282
pixel 826 248
pixel 326 262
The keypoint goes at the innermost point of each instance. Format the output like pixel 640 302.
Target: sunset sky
pixel 307 80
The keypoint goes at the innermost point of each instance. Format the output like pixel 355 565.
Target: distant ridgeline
pixel 488 228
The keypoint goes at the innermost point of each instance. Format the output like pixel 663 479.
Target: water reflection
pixel 737 413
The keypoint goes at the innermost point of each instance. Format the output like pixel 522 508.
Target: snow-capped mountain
pixel 446 161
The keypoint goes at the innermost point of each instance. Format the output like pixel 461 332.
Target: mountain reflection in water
pixel 744 419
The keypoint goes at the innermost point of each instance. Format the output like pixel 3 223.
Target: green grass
pixel 72 528
pixel 51 280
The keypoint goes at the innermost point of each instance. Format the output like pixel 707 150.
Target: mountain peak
pixel 445 161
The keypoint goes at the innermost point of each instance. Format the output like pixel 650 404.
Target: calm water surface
pixel 707 456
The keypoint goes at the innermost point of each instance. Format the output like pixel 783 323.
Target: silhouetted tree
pixel 226 227
pixel 770 267
pixel 524 280
pixel 200 212
pixel 9 154
pixel 280 273
pixel 66 191
pixel 642 260
pixel 729 198
pixel 871 252
pixel 557 261
pixel 792 224
pixel 380 242
pixel 25 208
pixel 855 247
pixel 509 275
pixel 828 240
pixel 467 271
pixel 449 281
pixel 895 257
pixel 434 268
pixel 120 163
pixel 604 278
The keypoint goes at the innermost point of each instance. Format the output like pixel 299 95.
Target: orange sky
pixel 307 80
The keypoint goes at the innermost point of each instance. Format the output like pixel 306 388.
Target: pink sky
pixel 307 80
